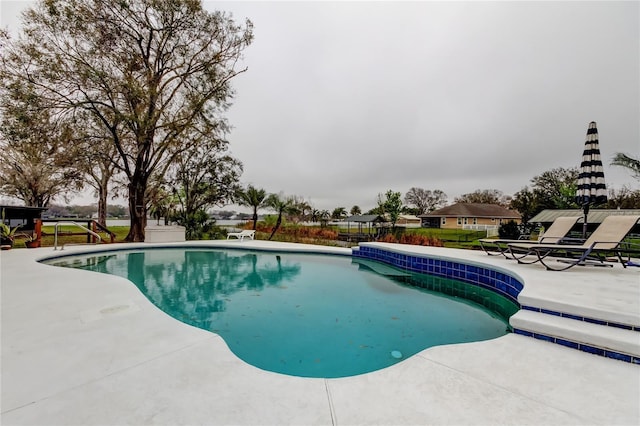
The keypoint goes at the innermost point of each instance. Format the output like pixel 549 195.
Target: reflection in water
pixel 195 286
pixel 94 263
pixel 466 293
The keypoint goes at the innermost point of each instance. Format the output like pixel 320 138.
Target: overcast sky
pixel 345 100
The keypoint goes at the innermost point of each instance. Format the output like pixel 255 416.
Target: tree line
pixel 128 98
pixel 553 189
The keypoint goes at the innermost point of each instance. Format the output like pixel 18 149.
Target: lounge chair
pixel 556 232
pixel 606 239
pixel 240 235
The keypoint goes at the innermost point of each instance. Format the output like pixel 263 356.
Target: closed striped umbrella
pixel 591 187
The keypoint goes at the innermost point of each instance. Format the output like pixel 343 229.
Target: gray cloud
pixel 344 100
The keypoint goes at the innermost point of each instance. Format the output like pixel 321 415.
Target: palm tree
pixel 315 215
pixel 305 209
pixel 355 211
pixel 280 205
pixel 255 198
pixel 339 213
pixel 630 163
pixel 324 217
pixel 298 210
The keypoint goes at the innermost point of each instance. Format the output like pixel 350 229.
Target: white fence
pixel 492 230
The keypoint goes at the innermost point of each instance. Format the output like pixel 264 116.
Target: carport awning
pixel 366 218
pixel 595 215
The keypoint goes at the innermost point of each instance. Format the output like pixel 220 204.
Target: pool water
pixel 302 314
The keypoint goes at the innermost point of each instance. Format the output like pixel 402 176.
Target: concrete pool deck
pixel 80 348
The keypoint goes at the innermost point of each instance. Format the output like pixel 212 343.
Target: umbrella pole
pixel 585 209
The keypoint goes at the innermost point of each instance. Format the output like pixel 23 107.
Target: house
pixel 469 216
pixel 409 221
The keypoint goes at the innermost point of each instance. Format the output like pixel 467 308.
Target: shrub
pixel 509 230
pixel 413 239
pixel 388 238
pixel 197 224
pixel 297 233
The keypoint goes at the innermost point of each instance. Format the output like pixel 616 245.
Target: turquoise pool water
pixel 302 314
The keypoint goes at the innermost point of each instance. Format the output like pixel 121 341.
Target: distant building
pixel 22 216
pixel 409 221
pixel 469 216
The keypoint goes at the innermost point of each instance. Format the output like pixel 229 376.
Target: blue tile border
pixel 580 346
pixel 580 318
pixel 499 282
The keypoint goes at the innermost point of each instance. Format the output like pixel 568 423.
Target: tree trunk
pixel 137 210
pixel 102 206
pixel 255 218
pixel 275 228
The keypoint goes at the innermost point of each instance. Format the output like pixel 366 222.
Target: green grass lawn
pixel 451 237
pixel 64 237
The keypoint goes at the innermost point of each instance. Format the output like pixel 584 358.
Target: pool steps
pixel 609 341
pixel 564 325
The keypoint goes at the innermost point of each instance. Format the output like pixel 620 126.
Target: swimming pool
pixel 303 314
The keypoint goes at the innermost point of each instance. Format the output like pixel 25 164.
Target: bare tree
pixel 425 200
pixel 37 162
pixel 150 71
pixel 485 196
pixel 97 159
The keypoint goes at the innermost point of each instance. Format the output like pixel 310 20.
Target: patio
pixel 88 349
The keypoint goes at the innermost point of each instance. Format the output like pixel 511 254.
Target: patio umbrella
pixel 591 187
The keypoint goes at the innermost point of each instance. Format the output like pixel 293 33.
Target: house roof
pixel 408 217
pixel 595 215
pixel 365 218
pixel 474 210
